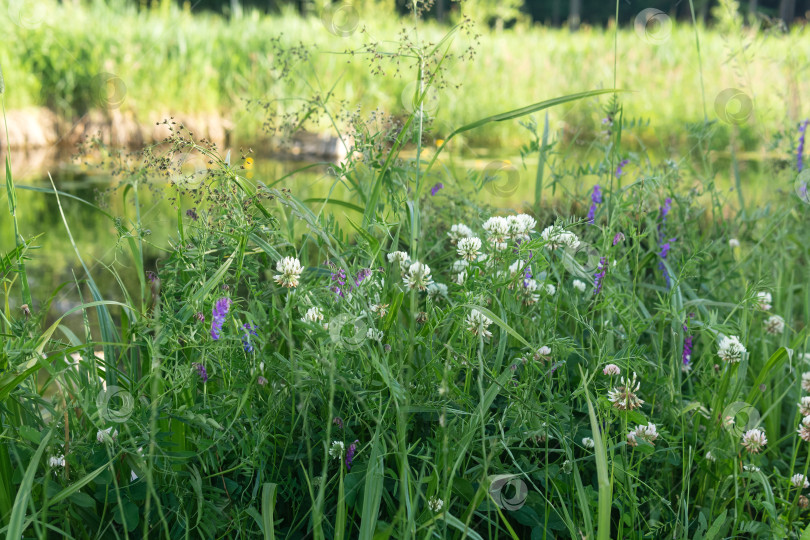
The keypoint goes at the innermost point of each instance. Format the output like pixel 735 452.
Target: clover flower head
pixel 754 440
pixel 579 285
pixel 520 226
pixel 337 449
pixel 624 396
pixel 290 270
pixel 459 231
pixel 435 504
pixel 804 429
pixel 612 369
pixel 764 300
pixel 477 323
pixel 730 349
pixel 313 315
pixel 800 481
pixel 106 435
pixel 556 237
pixel 804 406
pixel 646 433
pixel 468 248
pixel 587 442
pixel 774 325
pixel 499 232
pixel 418 276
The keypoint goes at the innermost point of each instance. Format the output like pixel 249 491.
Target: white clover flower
pixel 765 300
pixel 468 248
pixel 750 468
pixel 646 433
pixel 800 481
pixel 461 277
pixel 435 504
pixel 106 435
pixel 775 325
pixel 499 231
pixel 520 226
pixel 733 243
pixel 400 257
pixel 806 381
pixel 730 349
pixel 374 335
pixel 754 440
pixel 624 396
pixel 612 369
pixel 550 289
pixel 557 237
pixel 337 449
pixel 804 429
pixel 313 315
pixel 477 323
pixel 710 456
pixel 587 442
pixel 804 406
pixel 437 290
pixel 542 353
pixel 56 461
pixel 290 269
pixel 578 285
pixel 459 231
pixel 418 277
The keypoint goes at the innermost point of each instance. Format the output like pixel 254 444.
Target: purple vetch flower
pixel 338 277
pixel 338 421
pixel 596 198
pixel 527 276
pixel 435 189
pixel 246 344
pixel 261 380
pixel 220 312
pixel 350 454
pixel 665 246
pixel 192 213
pixel 200 316
pixel 201 371
pixel 151 276
pixel 361 275
pixel 687 347
pixel 800 149
pixel 620 168
pixel 618 238
pixel 599 275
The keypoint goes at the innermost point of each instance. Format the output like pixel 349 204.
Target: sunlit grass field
pixel 186 61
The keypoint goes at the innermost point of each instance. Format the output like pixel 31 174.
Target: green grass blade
pixel 268 509
pixel 15 527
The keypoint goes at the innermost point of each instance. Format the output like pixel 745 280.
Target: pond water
pixel 55 260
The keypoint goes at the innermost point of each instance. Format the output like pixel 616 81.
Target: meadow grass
pixel 406 362
pixel 183 61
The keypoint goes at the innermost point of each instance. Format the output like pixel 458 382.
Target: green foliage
pixel 447 369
